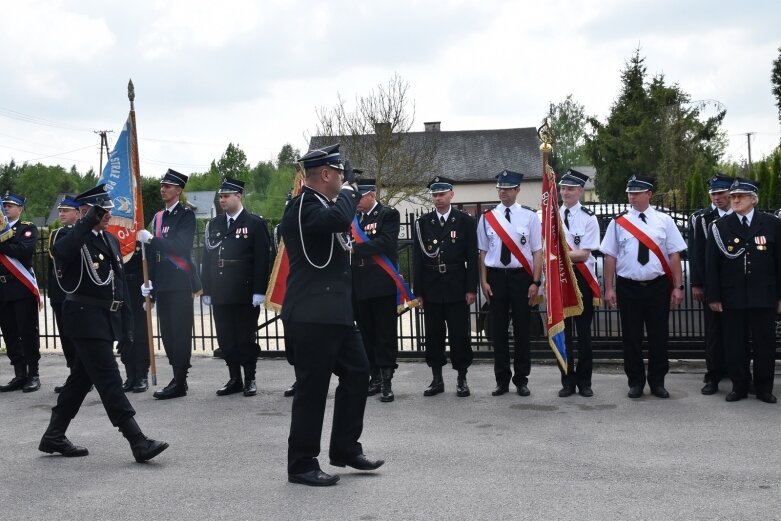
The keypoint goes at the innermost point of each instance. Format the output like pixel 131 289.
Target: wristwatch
pixel 681 287
pixel 538 283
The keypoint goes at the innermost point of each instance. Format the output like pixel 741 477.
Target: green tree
pixel 8 174
pixel 763 176
pixel 774 164
pixel 150 194
pixel 775 80
pixel 568 122
pixel 41 184
pixel 653 129
pixel 271 204
pixel 287 156
pixel 261 175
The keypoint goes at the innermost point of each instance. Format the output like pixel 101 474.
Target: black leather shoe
pixel 250 389
pixel 128 384
pixel 290 391
pixel 62 445
pixel 635 391
pixel 436 386
pixel 523 390
pixel 141 386
pixel 233 386
pixel 660 392
pixel 500 390
pixel 313 478
pixel 735 396
pixel 58 388
pixel 143 448
pixel 710 388
pixel 585 391
pixel 17 382
pixel 375 385
pixel 172 390
pixel 359 462
pixel 217 353
pixel 566 391
pixel 766 397
pixel 462 388
pixel 32 384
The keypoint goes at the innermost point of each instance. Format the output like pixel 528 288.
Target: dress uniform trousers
pixel 175 312
pixel 579 374
pixel 236 325
pixel 644 304
pixel 135 354
pixel 456 316
pixel 94 363
pixel 322 349
pixel 760 322
pixel 376 318
pixel 510 298
pixel 68 347
pixel 19 323
pixel 715 357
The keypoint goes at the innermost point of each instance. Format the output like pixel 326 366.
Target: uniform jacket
pixel 382 227
pixel 53 290
pixel 178 232
pixel 21 247
pixel 454 246
pixel 320 295
pixel 80 271
pixel 753 278
pixel 698 238
pixel 236 260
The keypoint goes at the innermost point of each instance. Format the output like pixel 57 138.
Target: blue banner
pixel 118 177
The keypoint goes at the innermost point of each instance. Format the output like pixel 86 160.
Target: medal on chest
pixel 453 236
pixel 523 239
pixel 576 240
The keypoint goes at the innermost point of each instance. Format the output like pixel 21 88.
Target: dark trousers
pixel 376 319
pixel 760 324
pixel 135 354
pixel 236 325
pixel 19 323
pixel 94 364
pixel 323 349
pixel 510 298
pixel 715 358
pixel 175 312
pixel 68 347
pixel 579 374
pixel 644 304
pixel 456 316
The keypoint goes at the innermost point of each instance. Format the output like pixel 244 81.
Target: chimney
pixel 382 128
pixel 432 126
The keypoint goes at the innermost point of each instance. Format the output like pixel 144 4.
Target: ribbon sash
pixel 404 295
pixel 25 276
pixel 638 234
pixel 592 282
pixel 179 262
pixel 507 241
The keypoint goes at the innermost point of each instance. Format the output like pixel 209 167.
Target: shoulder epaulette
pixel 622 213
pixel 660 210
pixel 701 211
pixel 588 211
pixel 528 208
pixel 29 223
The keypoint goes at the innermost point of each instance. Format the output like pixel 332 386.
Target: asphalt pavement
pixel 608 457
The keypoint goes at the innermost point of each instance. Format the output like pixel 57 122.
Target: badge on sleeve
pixel 577 240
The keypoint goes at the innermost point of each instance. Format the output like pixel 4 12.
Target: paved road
pixel 541 457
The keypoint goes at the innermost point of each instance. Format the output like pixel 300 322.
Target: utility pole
pixel 748 139
pixel 103 142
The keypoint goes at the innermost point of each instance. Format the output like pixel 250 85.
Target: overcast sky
pixel 253 72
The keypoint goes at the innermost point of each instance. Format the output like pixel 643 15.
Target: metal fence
pixel 686 324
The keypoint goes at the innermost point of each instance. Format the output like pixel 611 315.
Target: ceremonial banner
pixel 562 296
pixel 122 177
pixel 277 282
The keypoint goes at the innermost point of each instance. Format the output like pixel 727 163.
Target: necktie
pixel 566 217
pixel 505 255
pixel 441 221
pixel 166 213
pixel 230 222
pixel 745 221
pixel 642 249
pixel 362 217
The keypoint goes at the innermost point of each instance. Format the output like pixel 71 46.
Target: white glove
pixel 258 299
pixel 146 291
pixel 152 305
pixel 206 299
pixel 144 236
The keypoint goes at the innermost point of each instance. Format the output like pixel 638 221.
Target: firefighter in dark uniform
pixel 235 277
pixel 68 214
pixel 743 281
pixel 19 296
pixel 581 229
pixel 172 279
pixel 510 284
pixel 646 286
pixel 318 318
pixel 715 362
pixel 94 317
pixel 445 283
pixel 134 353
pixel 374 290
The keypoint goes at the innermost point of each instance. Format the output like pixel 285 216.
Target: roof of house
pixel 472 155
pixel 202 204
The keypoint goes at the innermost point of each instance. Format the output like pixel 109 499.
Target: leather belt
pixel 443 268
pixel 365 262
pixel 505 270
pixel 3 279
pixel 221 263
pixel 111 305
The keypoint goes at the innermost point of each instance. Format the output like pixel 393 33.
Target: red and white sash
pixel 25 276
pixel 508 241
pixel 638 234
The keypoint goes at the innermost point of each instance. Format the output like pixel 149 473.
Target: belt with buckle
pixel 221 263
pixel 365 262
pixel 2 279
pixel 442 267
pixel 111 305
pixel 642 283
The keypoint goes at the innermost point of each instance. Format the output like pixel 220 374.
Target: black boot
pixel 375 384
pixel 58 388
pixel 462 388
pixel 130 381
pixel 387 391
pixel 142 384
pixel 143 448
pixel 17 382
pixel 33 382
pixel 175 389
pixel 437 385
pixel 290 391
pixel 250 388
pixel 54 439
pixel 234 385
